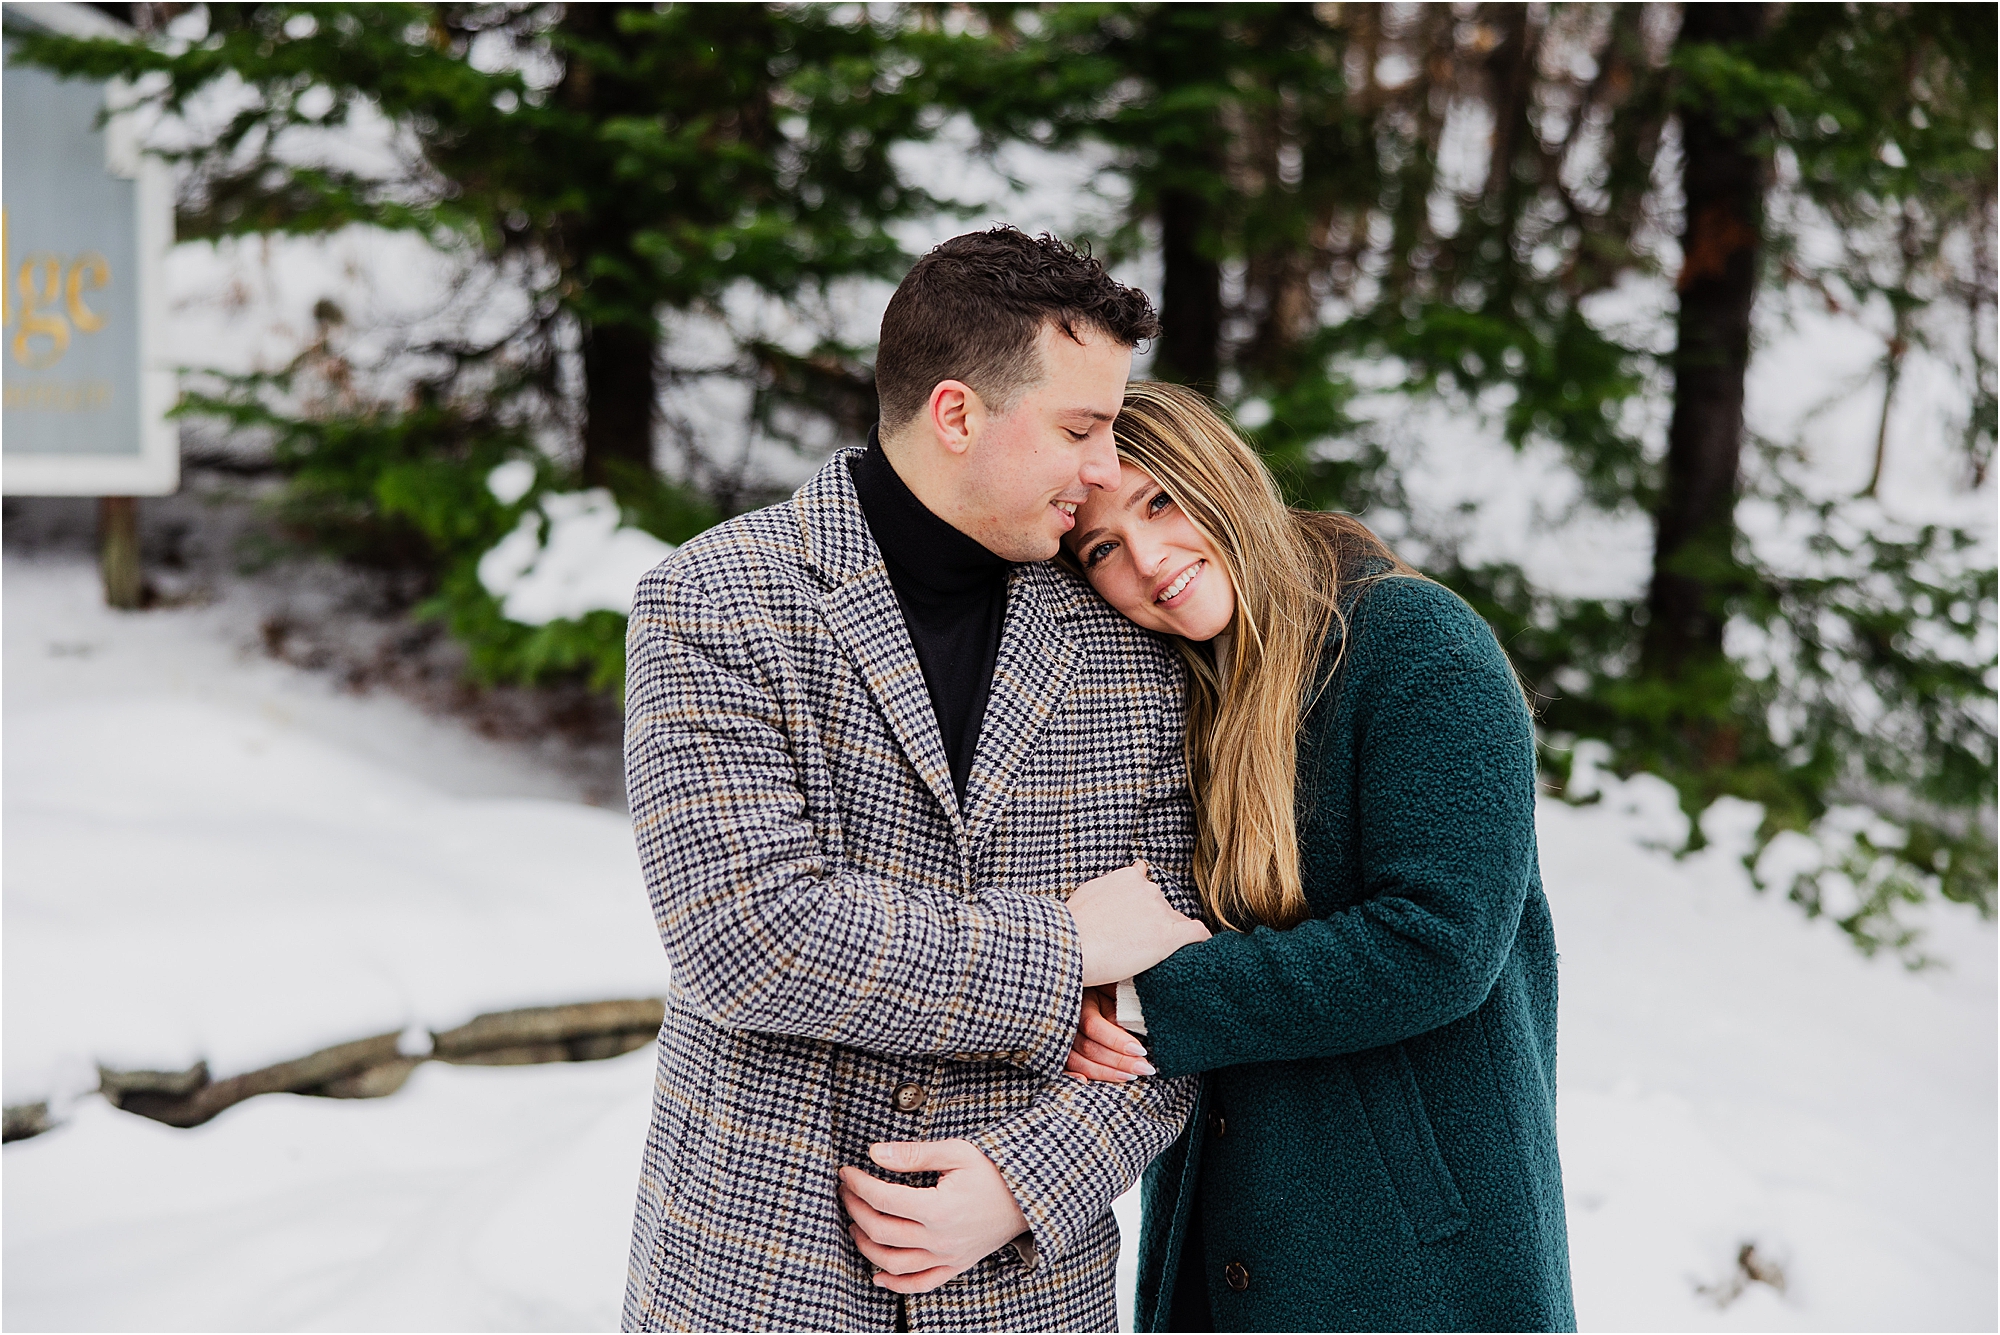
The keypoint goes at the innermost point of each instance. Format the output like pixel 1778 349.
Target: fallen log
pixel 375 1082
pixel 116 1084
pixel 24 1120
pixel 374 1067
pixel 548 1025
pixel 302 1076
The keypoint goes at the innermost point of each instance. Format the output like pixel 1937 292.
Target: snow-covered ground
pixel 210 854
pixel 477 1198
pixel 1731 1074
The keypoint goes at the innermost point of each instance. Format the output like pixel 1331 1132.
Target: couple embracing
pixel 1033 802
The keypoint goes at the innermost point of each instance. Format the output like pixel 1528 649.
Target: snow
pixel 1731 1073
pixel 511 481
pixel 588 562
pixel 214 855
pixel 208 859
pixel 478 1198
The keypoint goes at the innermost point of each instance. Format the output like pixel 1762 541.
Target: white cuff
pixel 1130 1017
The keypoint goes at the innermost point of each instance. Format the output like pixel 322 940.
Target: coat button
pixel 1236 1276
pixel 909 1096
pixel 1216 1125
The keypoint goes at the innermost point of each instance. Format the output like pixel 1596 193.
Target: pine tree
pixel 634 159
pixel 1722 191
pixel 1287 162
pixel 621 165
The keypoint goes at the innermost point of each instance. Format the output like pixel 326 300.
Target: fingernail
pixel 1135 1050
pixel 1146 1068
pixel 1127 1075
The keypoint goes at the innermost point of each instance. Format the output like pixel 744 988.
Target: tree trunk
pixel 1694 553
pixel 619 385
pixel 1190 295
pixel 1510 70
pixel 1183 47
pixel 620 374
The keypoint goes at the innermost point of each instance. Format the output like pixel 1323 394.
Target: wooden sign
pixel 85 223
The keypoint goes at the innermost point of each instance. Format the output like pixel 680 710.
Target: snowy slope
pixel 210 854
pixel 1732 1074
pixel 478 1198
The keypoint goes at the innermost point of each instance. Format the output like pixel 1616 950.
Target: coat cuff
pixel 1056 955
pixel 1068 1157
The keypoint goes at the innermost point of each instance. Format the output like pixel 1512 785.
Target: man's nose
pixel 1100 462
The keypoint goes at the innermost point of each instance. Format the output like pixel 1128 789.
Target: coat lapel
pixel 1030 678
pixel 868 623
pixel 864 618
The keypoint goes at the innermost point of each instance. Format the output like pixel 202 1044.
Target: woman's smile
pixel 1178 590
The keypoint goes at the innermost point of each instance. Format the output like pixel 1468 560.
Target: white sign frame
pixel 156 469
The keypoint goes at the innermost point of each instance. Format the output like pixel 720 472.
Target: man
pixel 874 738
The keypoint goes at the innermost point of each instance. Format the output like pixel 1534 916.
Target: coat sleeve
pixel 763 932
pixel 1082 1144
pixel 1445 795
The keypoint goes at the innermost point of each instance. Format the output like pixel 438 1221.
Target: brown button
pixel 1216 1124
pixel 909 1096
pixel 1236 1276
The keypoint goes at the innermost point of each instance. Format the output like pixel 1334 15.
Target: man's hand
pixel 919 1237
pixel 1125 926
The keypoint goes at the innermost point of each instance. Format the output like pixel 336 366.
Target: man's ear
pixel 956 414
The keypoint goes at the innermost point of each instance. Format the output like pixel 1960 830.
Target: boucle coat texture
pixel 1376 1148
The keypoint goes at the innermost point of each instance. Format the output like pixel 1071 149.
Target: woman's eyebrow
pixel 1130 501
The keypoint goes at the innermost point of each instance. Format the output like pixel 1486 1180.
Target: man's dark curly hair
pixel 972 309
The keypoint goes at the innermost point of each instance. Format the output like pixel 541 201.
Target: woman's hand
pixel 1102 1050
pixel 1125 926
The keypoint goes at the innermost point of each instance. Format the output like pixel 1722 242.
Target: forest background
pixel 1557 220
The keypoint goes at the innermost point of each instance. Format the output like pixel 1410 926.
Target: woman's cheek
pixel 1111 589
pixel 1130 603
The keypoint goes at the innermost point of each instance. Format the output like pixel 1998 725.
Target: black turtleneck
pixel 953 593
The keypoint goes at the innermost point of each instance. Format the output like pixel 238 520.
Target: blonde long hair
pixel 1287 567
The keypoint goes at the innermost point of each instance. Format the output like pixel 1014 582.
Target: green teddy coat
pixel 1376 1148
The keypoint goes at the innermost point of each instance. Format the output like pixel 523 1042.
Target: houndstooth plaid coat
pixel 851 960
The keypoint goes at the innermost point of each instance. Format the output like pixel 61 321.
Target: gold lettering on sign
pixel 34 320
pixel 49 292
pixel 58 396
pixel 92 270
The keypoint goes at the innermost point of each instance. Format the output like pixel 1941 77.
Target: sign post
pixel 85 225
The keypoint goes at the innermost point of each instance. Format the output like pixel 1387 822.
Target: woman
pixel 1375 1146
